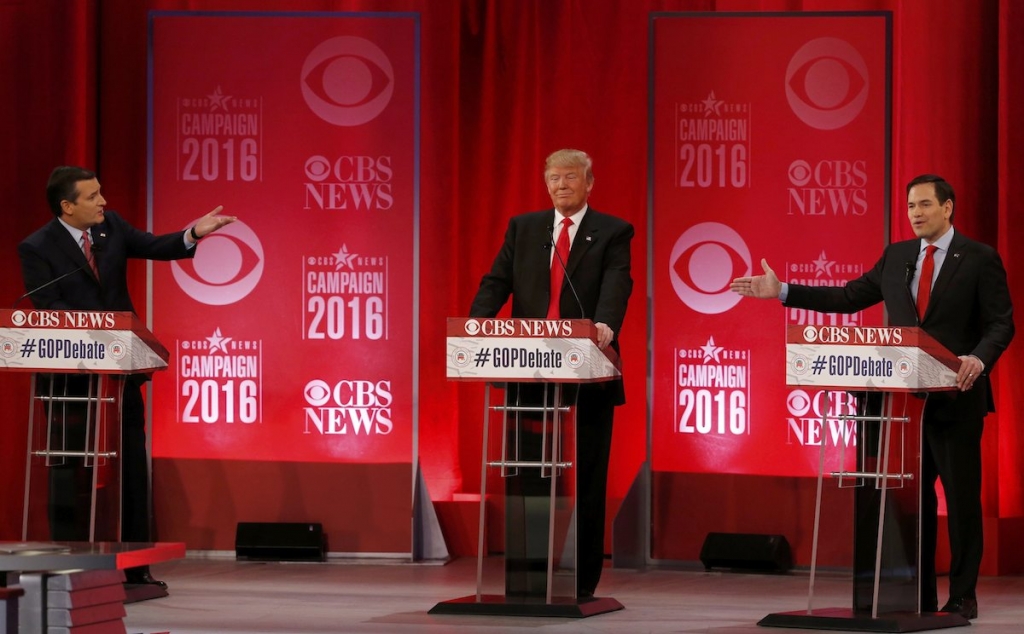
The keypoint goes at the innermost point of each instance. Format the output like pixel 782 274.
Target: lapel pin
pixel 588 239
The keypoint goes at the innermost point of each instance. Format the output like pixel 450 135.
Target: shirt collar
pixel 75 232
pixel 942 243
pixel 576 218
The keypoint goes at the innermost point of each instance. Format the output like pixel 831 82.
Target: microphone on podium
pixel 42 286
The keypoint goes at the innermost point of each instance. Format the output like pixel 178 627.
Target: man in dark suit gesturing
pixel 79 261
pixel 585 255
pixel 965 306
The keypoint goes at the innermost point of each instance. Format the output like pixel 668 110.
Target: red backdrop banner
pixel 504 84
pixel 783 156
pixel 291 329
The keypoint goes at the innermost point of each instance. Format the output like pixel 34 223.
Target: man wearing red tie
pixel 571 262
pixel 955 289
pixel 79 261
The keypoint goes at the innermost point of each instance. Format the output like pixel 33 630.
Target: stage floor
pixel 210 595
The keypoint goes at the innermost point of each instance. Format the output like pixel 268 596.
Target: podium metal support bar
pixel 28 461
pixel 481 538
pixel 871 475
pixel 817 504
pixel 883 469
pixel 555 454
pixel 75 454
pixel 97 379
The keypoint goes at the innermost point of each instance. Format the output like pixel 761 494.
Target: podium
pixel 78 360
pixel 895 369
pixel 539 364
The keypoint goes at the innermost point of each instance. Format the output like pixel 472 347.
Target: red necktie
pixel 89 257
pixel 558 269
pixel 924 285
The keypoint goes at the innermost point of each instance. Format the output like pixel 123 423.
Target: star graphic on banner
pixel 218 100
pixel 343 258
pixel 711 351
pixel 822 266
pixel 218 342
pixel 712 105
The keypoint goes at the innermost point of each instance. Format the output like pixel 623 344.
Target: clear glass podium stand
pixel 72 464
pixel 894 369
pixel 529 442
pixel 79 362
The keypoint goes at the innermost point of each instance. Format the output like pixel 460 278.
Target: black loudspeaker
pixel 279 541
pixel 743 551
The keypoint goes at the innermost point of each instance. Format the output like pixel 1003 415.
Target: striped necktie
pixel 89 257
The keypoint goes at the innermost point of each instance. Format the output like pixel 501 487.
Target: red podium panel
pixel 528 350
pixel 868 359
pixel 538 363
pixel 85 341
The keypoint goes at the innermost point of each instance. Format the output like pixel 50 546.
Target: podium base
pixel 847 620
pixel 135 592
pixel 500 605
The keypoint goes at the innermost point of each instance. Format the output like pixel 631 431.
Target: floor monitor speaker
pixel 745 551
pixel 279 541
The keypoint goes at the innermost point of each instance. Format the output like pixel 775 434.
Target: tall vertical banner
pixel 770 139
pixel 292 330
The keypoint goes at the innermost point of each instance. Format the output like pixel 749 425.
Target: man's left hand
pixel 604 335
pixel 970 369
pixel 212 222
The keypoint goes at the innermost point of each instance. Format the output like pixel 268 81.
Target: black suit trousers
pixel 952 455
pixel 595 412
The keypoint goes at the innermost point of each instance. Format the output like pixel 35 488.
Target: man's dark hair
pixel 943 190
pixel 63 185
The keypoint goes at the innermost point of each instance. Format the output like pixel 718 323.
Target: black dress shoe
pixel 136 578
pixel 966 607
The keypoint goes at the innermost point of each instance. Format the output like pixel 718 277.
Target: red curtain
pixel 503 84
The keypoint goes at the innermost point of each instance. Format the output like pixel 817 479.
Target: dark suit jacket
pixel 969 311
pixel 51 252
pixel 598 267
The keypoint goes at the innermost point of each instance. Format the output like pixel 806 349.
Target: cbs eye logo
pixel 703 262
pixel 347 81
pixel 226 267
pixel 798 403
pixel 827 83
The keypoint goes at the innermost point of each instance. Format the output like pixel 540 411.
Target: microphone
pixel 911 268
pixel 42 286
pixel 558 256
pixel 550 242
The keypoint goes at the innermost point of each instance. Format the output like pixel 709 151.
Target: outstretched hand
pixel 212 222
pixel 765 286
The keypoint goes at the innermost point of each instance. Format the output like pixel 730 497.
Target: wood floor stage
pixel 220 595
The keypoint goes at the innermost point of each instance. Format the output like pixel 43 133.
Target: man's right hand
pixel 765 286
